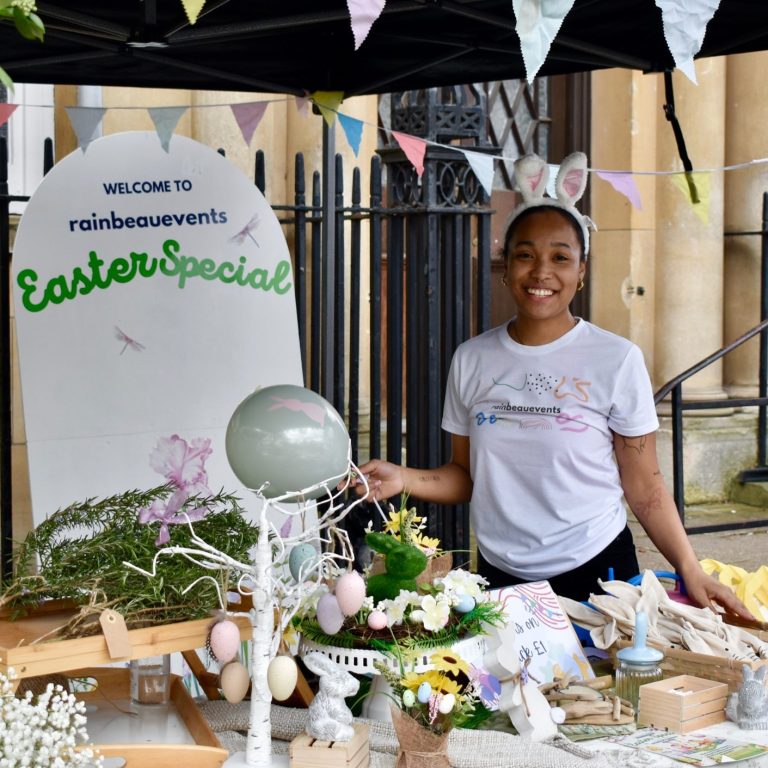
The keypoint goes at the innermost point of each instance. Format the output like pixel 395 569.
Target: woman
pixel 552 422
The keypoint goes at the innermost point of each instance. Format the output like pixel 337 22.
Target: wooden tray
pixel 112 695
pixel 19 647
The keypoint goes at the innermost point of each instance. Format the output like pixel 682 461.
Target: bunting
pixel 538 22
pixel 414 149
pixel 328 104
pixel 166 119
pixel 248 116
pixel 192 8
pixel 85 123
pixel 482 166
pixel 703 187
pixel 623 183
pixel 362 15
pixel 353 130
pixel 302 105
pixel 685 23
pixel 6 110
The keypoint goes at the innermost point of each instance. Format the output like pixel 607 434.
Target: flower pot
pixel 419 747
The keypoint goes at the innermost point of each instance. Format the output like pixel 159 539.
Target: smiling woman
pixel 571 431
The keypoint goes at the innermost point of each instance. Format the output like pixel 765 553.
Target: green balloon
pixel 289 437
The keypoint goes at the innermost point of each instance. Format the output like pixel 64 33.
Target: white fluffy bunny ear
pixel 531 175
pixel 572 178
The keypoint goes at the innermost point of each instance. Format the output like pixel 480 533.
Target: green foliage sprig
pixel 81 550
pixel 28 24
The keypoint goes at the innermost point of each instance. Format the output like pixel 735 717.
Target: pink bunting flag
pixel 302 104
pixel 6 110
pixel 625 184
pixel 414 149
pixel 248 117
pixel 362 15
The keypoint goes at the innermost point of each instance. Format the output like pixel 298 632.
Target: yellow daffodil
pixel 438 681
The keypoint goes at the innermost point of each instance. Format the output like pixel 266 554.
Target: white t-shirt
pixel 547 496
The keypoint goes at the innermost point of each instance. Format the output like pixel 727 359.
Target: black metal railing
pixel 674 390
pixel 427 291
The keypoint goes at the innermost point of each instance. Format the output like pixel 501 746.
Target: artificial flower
pixel 434 613
pixel 438 681
pixel 462 582
pixel 449 662
pixel 183 463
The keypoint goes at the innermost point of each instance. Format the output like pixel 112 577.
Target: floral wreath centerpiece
pixel 413 599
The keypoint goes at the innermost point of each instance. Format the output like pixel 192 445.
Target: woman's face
pixel 544 266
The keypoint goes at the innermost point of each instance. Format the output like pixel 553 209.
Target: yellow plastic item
pixel 750 588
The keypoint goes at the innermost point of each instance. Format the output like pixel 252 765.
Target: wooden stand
pixel 306 752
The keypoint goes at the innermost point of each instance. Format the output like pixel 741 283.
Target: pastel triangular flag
pixel 328 103
pixel 353 130
pixel 701 182
pixel 85 122
pixel 362 15
pixel 538 22
pixel 482 166
pixel 166 119
pixel 248 117
pixel 192 8
pixel 623 183
pixel 685 23
pixel 6 110
pixel 414 149
pixel 302 105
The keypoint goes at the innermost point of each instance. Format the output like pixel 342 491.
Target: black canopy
pixel 293 46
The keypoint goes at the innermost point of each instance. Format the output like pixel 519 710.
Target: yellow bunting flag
pixel 192 8
pixel 328 103
pixel 702 188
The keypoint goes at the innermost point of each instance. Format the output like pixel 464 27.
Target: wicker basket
pixel 681 662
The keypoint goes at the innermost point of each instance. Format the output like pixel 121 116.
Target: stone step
pixel 750 494
pixel 745 547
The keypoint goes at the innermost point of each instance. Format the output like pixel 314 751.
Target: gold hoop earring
pixel 581 285
pixel 503 280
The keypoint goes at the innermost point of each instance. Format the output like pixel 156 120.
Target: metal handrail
pixel 674 387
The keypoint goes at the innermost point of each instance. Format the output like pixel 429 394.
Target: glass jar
pixel 638 664
pixel 151 680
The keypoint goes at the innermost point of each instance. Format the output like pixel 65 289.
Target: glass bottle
pixel 151 680
pixel 638 664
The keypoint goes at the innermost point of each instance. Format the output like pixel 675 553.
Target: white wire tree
pixel 276 595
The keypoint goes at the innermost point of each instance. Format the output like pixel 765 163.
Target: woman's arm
pixel 654 507
pixel 448 484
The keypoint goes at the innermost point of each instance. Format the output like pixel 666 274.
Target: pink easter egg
pixel 350 593
pixel 224 640
pixel 329 615
pixel 377 619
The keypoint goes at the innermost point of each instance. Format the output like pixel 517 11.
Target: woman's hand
pixel 384 480
pixel 706 591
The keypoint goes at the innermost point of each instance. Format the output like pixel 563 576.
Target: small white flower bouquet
pixel 47 730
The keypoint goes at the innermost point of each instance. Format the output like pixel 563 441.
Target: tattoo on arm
pixel 635 443
pixel 429 478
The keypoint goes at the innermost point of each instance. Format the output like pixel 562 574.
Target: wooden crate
pixel 682 703
pixel 306 752
pixel 113 694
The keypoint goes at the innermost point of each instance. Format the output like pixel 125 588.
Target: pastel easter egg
pixel 465 605
pixel 224 640
pixel 302 559
pixel 377 619
pixel 234 681
pixel 329 615
pixel 424 692
pixel 409 698
pixel 446 703
pixel 350 593
pixel 282 675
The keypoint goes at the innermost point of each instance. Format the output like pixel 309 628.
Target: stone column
pixel 689 245
pixel 746 139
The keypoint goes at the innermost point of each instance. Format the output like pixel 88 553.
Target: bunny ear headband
pixel 532 174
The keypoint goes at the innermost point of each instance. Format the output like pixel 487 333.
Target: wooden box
pixel 306 752
pixel 682 703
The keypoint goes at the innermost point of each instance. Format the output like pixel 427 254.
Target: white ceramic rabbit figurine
pixel 520 697
pixel 329 717
pixel 749 707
